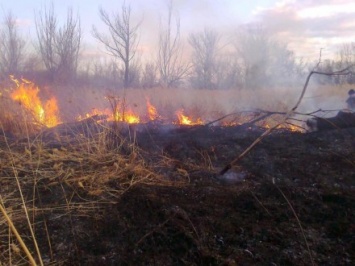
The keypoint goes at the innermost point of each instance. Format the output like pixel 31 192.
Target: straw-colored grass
pixel 86 165
pixel 91 165
pixel 205 104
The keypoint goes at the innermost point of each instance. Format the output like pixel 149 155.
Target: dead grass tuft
pixel 88 167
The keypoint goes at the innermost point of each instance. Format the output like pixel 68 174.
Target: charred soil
pixel 290 201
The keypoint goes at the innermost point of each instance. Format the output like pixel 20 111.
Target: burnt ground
pixel 289 201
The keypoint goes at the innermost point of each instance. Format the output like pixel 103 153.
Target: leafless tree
pixel 67 42
pixel 105 72
pixel 46 27
pixel 228 72
pixel 265 61
pixel 149 75
pixel 346 57
pixel 172 68
pixel 122 40
pixel 11 46
pixel 205 49
pixel 59 46
pixel 253 48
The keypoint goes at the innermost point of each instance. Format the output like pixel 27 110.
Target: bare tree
pixel 11 46
pixel 170 63
pixel 149 75
pixel 228 72
pixel 265 61
pixel 205 48
pixel 46 27
pixel 59 46
pixel 67 42
pixel 253 48
pixel 345 57
pixel 122 40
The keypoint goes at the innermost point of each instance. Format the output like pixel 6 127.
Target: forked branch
pixel 342 72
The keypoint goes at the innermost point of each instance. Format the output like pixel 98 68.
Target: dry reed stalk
pixel 17 235
pixel 14 170
pixel 298 222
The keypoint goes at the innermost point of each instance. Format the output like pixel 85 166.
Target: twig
pixel 298 221
pixel 261 204
pixel 152 231
pixel 219 119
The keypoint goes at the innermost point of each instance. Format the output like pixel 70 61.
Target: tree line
pixel 251 58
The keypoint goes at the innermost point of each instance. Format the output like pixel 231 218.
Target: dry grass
pixel 101 167
pixel 88 166
pixel 208 104
pixel 205 104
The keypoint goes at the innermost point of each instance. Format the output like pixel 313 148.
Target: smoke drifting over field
pixel 215 57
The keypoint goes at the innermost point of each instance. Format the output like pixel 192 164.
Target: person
pixel 351 100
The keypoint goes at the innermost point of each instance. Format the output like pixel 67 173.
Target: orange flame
pixel 185 120
pixel 152 111
pixel 128 117
pixel 27 95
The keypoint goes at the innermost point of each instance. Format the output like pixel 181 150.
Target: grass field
pixel 57 198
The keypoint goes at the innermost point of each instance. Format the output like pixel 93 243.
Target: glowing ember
pixel 185 120
pixel 27 95
pixel 152 111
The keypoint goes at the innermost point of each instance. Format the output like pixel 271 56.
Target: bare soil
pixel 291 202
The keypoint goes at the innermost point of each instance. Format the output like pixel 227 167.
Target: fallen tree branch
pixel 345 71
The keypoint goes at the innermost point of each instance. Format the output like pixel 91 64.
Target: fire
pixel 185 120
pixel 128 117
pixel 152 111
pixel 26 94
pixel 46 113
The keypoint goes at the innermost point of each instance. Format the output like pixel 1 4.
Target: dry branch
pixel 345 71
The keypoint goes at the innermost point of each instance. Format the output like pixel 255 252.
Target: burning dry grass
pixel 206 104
pixel 100 166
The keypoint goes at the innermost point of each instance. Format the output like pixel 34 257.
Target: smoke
pixel 268 75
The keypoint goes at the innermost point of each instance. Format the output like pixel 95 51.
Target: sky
pixel 305 25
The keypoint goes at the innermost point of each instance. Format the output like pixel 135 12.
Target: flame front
pixel 127 116
pixel 26 94
pixel 185 120
pixel 152 111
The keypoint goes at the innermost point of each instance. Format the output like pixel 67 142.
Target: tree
pixel 149 75
pixel 253 48
pixel 345 58
pixel 68 40
pixel 205 48
pixel 11 46
pixel 170 63
pixel 58 46
pixel 264 60
pixel 228 72
pixel 122 40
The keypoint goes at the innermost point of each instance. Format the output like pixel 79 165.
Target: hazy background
pixel 305 25
pixel 237 55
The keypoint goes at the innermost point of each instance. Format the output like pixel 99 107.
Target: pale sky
pixel 305 25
